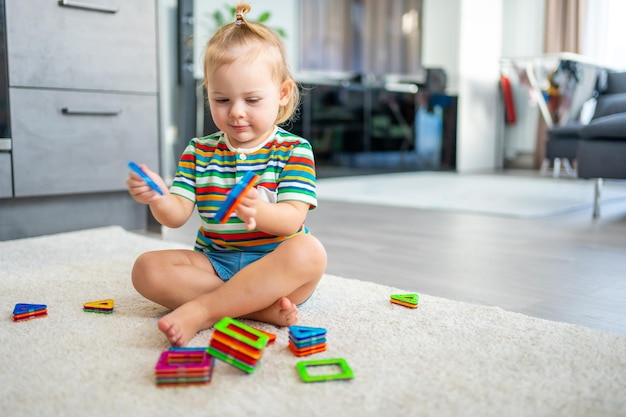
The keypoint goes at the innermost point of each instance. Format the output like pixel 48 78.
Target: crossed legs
pixel 267 290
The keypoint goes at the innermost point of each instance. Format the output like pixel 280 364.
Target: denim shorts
pixel 227 263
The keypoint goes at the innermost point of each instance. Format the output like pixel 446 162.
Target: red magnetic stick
pixel 234 197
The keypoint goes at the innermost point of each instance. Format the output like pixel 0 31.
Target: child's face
pixel 244 101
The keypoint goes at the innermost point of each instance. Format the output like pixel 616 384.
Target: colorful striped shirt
pixel 210 167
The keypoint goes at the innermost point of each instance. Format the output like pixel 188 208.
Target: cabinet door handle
pixel 70 112
pixel 87 6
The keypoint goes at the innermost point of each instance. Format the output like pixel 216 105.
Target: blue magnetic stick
pixel 234 196
pixel 144 177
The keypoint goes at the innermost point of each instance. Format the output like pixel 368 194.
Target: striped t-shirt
pixel 210 167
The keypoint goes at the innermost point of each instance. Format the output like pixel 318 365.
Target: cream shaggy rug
pixel 500 195
pixel 446 358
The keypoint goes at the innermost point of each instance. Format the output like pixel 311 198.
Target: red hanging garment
pixel 507 96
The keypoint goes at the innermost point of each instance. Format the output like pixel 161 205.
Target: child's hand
pixel 246 210
pixel 140 191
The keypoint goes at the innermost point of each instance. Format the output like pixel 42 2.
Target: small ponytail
pixel 241 10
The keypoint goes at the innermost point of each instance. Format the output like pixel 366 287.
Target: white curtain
pixel 604 40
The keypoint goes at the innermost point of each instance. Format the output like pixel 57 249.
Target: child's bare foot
pixel 282 313
pixel 182 324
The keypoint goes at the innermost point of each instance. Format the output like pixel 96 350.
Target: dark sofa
pixel 610 94
pixel 598 147
pixel 601 148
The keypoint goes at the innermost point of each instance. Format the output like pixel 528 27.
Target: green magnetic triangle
pixel 406 298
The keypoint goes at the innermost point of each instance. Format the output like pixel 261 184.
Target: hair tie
pixel 238 19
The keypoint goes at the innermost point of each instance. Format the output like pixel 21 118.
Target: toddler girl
pixel 263 262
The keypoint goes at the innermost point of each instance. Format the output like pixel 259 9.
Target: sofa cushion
pixel 615 83
pixel 612 126
pixel 570 130
pixel 601 159
pixel 610 104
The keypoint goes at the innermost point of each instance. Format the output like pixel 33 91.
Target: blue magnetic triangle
pixel 302 332
pixel 22 308
pixel 308 342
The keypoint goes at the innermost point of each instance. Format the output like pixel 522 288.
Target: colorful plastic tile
pixel 304 370
pixel 237 344
pixel 29 316
pixel 230 360
pixel 303 332
pixel 184 354
pixel 405 304
pixel 100 305
pixel 234 197
pixel 307 342
pixel 22 308
pixel 241 332
pixel 170 382
pixel 234 353
pixel 307 351
pixel 23 312
pixel 192 364
pixel 405 300
pixel 184 366
pixel 184 349
pixel 272 336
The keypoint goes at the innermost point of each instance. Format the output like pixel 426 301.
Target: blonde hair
pixel 225 45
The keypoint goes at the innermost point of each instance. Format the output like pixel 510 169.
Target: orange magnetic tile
pixel 307 351
pixel 272 336
pixel 236 345
pixel 229 351
pixel 404 304
pixel 24 317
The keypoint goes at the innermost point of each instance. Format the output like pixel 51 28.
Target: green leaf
pixel 219 18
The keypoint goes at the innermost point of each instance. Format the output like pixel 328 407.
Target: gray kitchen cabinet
pixel 83 98
pixel 76 142
pixel 6 175
pixel 97 60
pixel 56 46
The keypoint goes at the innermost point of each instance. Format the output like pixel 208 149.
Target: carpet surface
pixel 445 358
pixel 500 195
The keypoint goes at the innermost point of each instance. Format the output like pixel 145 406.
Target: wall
pixel 480 51
pixel 465 38
pixel 168 84
pixel 523 36
pixel 441 38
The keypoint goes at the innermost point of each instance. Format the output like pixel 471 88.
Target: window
pixel 604 39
